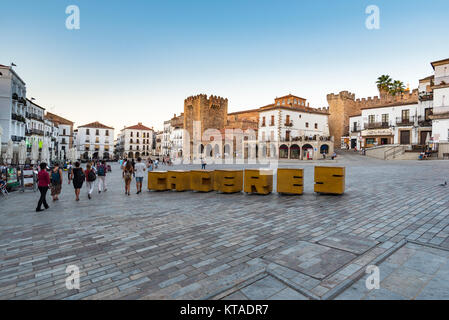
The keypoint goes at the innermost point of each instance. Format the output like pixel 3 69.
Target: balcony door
pixel 405 137
pixel 405 115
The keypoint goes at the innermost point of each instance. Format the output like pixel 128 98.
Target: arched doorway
pixel 106 156
pixel 227 150
pixel 95 155
pixel 209 150
pixel 273 153
pixel 264 153
pixel 201 149
pixel 324 149
pixel 295 151
pixel 307 152
pixel 130 155
pixel 283 152
pixel 137 154
pixel 86 155
pixel 216 151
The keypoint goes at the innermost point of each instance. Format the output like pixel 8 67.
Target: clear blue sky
pixel 138 60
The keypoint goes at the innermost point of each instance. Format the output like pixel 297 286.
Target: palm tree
pixel 384 82
pixel 397 87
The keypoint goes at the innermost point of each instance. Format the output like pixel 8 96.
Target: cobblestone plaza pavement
pixel 186 245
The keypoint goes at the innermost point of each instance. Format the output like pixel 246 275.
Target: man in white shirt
pixel 140 168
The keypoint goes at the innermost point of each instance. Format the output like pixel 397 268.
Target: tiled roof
pixel 392 104
pixel 428 78
pixel 95 125
pixel 139 126
pixel 295 108
pixel 55 118
pixel 439 62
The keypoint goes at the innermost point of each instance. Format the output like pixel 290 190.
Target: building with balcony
pixel 166 143
pixel 95 141
pixel 51 135
pixel 35 131
pixel 158 144
pixel 64 135
pixel 440 116
pixel 176 136
pixel 12 106
pixel 136 141
pixel 291 129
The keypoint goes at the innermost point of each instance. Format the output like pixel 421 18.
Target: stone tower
pixel 341 107
pixel 211 113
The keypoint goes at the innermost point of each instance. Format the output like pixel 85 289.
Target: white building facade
pixel 290 129
pixel 12 105
pixel 95 141
pixel 404 124
pixel 35 131
pixel 137 141
pixel 440 117
pixel 166 142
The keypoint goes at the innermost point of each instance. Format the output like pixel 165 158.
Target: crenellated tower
pixel 211 113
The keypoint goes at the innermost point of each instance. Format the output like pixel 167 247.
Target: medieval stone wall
pixel 343 105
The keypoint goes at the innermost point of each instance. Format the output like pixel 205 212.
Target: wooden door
pixel 405 137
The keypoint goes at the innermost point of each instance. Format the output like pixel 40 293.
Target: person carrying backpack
pixel 90 179
pixel 101 172
pixel 56 181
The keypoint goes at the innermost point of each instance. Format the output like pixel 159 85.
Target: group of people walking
pixel 76 175
pixel 131 169
pixel 53 180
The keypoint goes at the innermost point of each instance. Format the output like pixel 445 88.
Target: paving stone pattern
pixel 186 245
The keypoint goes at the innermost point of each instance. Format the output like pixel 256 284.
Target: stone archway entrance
pixel 283 152
pixel 307 152
pixel 295 152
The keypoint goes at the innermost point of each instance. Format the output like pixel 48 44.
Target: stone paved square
pixel 186 245
pixel 354 244
pixel 413 272
pixel 311 259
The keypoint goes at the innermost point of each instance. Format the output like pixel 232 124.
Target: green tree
pixel 384 82
pixel 397 87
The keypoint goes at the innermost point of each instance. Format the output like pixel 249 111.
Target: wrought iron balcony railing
pixel 410 121
pixel 377 125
